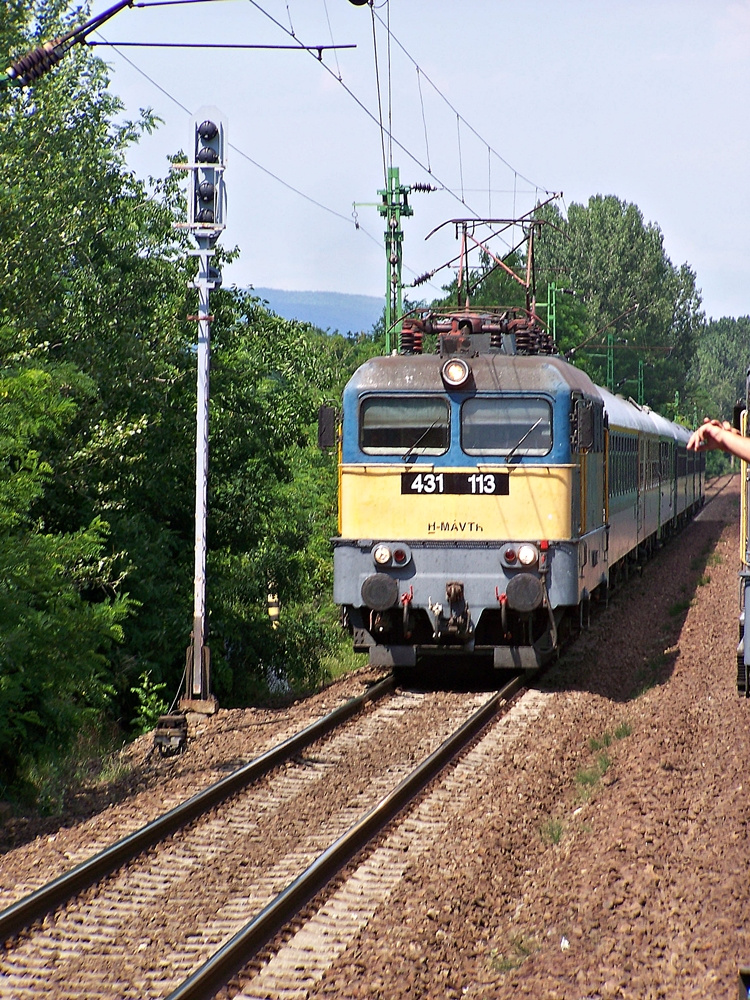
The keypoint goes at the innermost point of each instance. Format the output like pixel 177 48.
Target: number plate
pixel 472 483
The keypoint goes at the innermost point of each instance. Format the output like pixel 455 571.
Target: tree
pixel 60 605
pixel 94 359
pixel 618 268
pixel 721 363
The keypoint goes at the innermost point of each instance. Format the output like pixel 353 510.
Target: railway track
pixel 185 913
pixel 21 914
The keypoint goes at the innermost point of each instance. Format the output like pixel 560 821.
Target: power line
pixel 388 132
pixel 369 113
pixel 437 90
pixel 241 152
pixel 383 130
pixel 220 45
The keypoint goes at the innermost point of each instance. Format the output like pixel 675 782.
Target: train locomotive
pixel 489 489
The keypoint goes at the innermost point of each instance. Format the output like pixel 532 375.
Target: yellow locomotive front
pixel 472 502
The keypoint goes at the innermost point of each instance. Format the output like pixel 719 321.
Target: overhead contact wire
pixel 424 119
pixel 460 158
pixel 370 115
pixel 380 102
pixel 456 112
pixel 390 91
pixel 239 151
pixel 330 32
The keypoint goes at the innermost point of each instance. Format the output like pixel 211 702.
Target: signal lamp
pixel 455 373
pixel 399 556
pixel 509 555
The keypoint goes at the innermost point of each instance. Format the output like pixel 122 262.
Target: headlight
pixel 527 554
pixel 382 555
pixel 456 372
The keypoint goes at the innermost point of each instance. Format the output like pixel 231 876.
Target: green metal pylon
pixel 394 205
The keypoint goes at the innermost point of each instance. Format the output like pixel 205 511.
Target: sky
pixel 498 104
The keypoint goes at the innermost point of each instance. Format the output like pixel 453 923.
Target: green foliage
pixel 97 384
pixel 587 777
pixel 721 363
pixel 626 287
pixel 678 608
pixel 515 952
pixel 48 776
pixel 150 703
pixel 718 463
pixel 60 610
pixel 600 743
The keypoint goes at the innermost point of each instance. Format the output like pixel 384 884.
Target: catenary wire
pixel 259 166
pixel 380 102
pixel 437 90
pixel 369 113
pixel 330 32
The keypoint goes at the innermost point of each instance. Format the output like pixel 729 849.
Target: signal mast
pixel 206 203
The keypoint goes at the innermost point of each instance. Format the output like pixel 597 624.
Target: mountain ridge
pixel 340 312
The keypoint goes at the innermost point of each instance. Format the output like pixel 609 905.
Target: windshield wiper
pixel 407 454
pixel 518 444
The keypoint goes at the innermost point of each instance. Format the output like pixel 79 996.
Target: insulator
pixel 35 64
pixel 406 341
pixel 421 279
pixel 425 188
pixel 418 342
pixel 524 341
pixel 496 338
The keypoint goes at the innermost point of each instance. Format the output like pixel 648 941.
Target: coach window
pixel 394 426
pixel 499 426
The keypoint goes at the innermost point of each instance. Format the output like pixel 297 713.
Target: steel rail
pixel 22 913
pixel 247 942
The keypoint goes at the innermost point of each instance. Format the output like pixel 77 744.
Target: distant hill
pixel 334 311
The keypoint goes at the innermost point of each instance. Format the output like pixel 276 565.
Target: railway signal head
pixel 206 194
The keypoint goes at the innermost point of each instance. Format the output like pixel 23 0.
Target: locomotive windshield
pixel 397 426
pixel 502 425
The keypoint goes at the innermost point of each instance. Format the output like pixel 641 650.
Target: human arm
pixel 715 434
